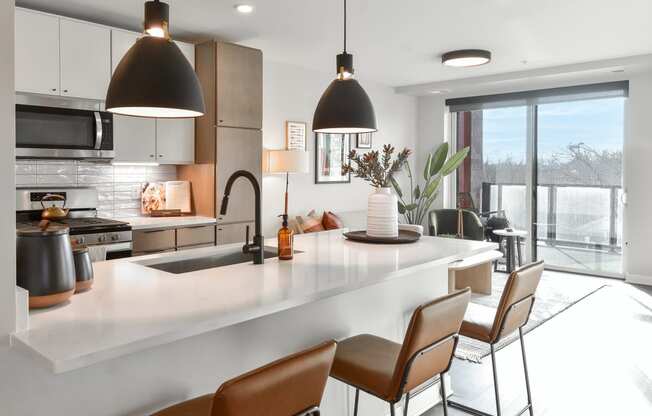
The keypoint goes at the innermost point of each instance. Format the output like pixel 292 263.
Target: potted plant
pixel 416 205
pixel 379 170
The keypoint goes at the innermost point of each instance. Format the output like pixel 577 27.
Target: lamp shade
pixel 154 79
pixel 287 161
pixel 344 108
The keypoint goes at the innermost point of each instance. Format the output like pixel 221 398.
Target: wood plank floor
pixel 593 359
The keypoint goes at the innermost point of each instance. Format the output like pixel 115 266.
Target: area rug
pixel 556 293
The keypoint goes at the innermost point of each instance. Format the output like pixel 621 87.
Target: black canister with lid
pixel 44 264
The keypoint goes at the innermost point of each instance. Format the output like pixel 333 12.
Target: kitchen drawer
pixel 234 233
pixel 146 241
pixel 193 236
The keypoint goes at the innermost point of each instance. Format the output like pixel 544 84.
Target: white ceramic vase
pixel 382 213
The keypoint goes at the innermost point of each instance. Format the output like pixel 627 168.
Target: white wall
pixel 431 133
pixel 7 145
pixel 638 171
pixel 637 156
pixel 291 93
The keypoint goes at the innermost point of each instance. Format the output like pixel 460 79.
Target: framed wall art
pixel 295 135
pixel 363 140
pixel 331 154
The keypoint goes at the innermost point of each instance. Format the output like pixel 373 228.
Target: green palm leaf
pixel 396 186
pixel 438 159
pixel 432 187
pixel 426 170
pixel 454 162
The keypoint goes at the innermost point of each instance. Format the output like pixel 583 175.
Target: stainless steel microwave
pixel 44 132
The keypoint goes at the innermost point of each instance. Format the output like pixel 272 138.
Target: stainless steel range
pixel 85 226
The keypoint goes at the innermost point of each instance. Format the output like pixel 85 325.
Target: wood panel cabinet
pixel 153 241
pixel 234 233
pixel 238 149
pixel 239 86
pixel 194 236
pixel 37 52
pixel 85 51
pixel 171 239
pixel 231 80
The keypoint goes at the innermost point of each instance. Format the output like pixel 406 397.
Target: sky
pixel 596 123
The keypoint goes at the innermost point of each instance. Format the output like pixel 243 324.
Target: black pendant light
pixel 154 78
pixel 344 107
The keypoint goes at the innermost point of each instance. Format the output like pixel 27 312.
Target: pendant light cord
pixel 344 26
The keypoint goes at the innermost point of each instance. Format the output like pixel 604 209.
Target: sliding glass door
pixel 493 178
pixel 579 172
pixel 550 162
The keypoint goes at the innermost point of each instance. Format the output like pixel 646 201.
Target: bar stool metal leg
pixel 407 402
pixel 527 377
pixel 392 411
pixel 493 366
pixel 355 406
pixel 444 399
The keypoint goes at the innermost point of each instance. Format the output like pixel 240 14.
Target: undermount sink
pixel 223 258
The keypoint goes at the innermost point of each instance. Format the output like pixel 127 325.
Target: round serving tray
pixel 404 237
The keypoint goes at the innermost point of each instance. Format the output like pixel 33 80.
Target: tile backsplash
pixel 119 187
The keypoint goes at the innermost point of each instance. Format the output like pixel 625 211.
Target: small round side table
pixel 513 238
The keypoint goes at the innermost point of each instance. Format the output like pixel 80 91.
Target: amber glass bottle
pixel 285 241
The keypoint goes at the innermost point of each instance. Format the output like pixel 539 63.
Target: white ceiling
pixel 399 42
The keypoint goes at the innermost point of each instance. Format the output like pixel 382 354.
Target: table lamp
pixel 287 161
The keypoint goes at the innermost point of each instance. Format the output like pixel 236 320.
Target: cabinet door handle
pixel 151 155
pixel 160 155
pixel 65 90
pixel 54 89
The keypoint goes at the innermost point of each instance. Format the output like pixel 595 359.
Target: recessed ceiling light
pixel 244 8
pixel 466 57
pixel 435 92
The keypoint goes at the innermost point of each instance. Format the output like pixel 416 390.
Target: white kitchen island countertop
pixel 151 223
pixel 132 307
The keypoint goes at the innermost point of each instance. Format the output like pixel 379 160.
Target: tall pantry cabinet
pixel 229 136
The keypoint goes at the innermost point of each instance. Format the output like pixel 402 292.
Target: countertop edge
pixel 61 366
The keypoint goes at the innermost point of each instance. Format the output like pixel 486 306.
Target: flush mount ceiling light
pixel 154 78
pixel 244 8
pixel 344 107
pixel 466 57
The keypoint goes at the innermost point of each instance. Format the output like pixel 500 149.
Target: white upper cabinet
pixel 175 141
pixel 37 52
pixel 175 138
pixel 121 42
pixel 134 139
pixel 59 56
pixel 85 59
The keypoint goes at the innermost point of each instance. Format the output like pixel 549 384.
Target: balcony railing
pixel 582 216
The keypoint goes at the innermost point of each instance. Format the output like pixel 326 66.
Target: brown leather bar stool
pixel 291 386
pixel 387 370
pixel 490 325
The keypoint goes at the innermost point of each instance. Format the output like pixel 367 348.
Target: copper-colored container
pixel 83 269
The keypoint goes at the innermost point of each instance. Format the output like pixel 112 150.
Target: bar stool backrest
pixel 517 300
pixel 430 341
pixel 291 386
